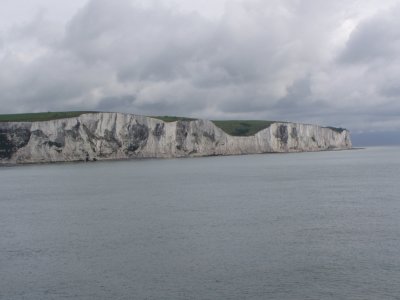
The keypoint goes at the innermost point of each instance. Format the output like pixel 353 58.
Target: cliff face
pixel 102 136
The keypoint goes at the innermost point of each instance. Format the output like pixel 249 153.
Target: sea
pixel 323 225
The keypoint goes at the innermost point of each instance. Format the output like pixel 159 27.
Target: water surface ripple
pixel 277 226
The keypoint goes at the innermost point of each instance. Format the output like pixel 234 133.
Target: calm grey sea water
pixel 277 226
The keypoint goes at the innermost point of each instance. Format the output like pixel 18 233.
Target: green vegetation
pixel 242 127
pixel 232 127
pixel 337 129
pixel 172 118
pixel 43 116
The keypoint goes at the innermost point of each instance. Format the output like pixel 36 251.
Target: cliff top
pixel 42 116
pixel 231 127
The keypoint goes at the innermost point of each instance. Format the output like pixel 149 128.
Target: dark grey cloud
pixel 140 44
pixel 329 62
pixel 391 89
pixel 377 38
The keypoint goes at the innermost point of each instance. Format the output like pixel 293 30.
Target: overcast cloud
pixel 328 62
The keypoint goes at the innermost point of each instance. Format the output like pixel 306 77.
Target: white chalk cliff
pixel 103 136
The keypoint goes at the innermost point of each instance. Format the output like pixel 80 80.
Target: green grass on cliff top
pixel 172 118
pixel 232 127
pixel 42 116
pixel 242 127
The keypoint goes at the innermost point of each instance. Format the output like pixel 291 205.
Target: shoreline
pixel 8 165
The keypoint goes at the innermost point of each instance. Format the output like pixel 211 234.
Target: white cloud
pixel 334 63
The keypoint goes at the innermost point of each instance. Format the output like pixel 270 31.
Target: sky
pixel 333 63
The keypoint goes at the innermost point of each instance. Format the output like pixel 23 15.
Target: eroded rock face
pixel 136 137
pixel 102 136
pixel 282 133
pixel 12 139
pixel 159 130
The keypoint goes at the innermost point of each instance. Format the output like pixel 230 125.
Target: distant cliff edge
pixel 104 136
